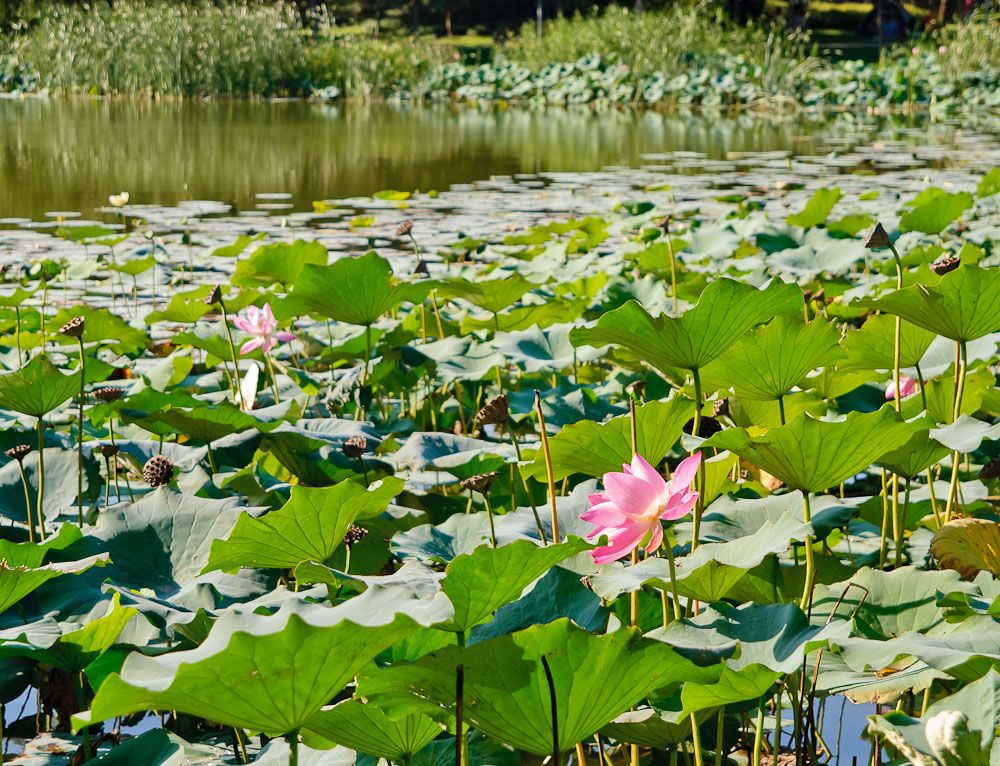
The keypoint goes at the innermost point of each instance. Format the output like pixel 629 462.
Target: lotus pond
pixel 672 462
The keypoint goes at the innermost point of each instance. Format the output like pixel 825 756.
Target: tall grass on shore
pixel 164 48
pixel 650 42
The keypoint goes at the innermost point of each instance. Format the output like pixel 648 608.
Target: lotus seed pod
pixel 108 394
pixel 108 450
pixel 158 471
pixel 945 265
pixel 480 483
pixel 214 296
pixel 878 238
pixel 73 328
pixel 720 408
pixel 991 470
pixel 355 447
pixel 18 452
pixel 355 534
pixel 404 228
pixel 706 428
pixel 495 412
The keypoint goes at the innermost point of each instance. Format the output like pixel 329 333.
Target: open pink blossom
pixel 907 386
pixel 632 504
pixel 261 324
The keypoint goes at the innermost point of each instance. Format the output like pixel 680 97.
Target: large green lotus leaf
pixel 963 306
pixel 39 387
pixel 548 350
pixel 101 326
pixel 662 727
pixel 770 361
pixel 937 209
pixel 481 582
pixel 979 702
pixel 162 541
pixel 966 434
pixel 917 454
pixel 78 645
pixel 873 346
pixel 940 396
pixel 61 469
pixel 874 685
pixel 207 423
pixel 18 297
pixel 463 533
pixel 309 527
pixel 268 673
pixel 354 290
pixel 280 262
pixel 17 581
pixel 730 518
pixel 493 295
pixel 812 455
pixel 888 604
pixel 967 652
pixel 711 571
pixel 984 598
pixel 159 747
pixel 594 449
pixel 989 184
pixel 817 209
pixel 558 593
pixel 369 730
pixel 506 692
pixel 523 317
pixel 727 309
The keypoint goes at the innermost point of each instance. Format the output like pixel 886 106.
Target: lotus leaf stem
pixel 695 742
pixel 17 334
pixel 758 734
pixel 79 465
pixel 555 711
pixel 489 515
pixel 517 451
pixel 700 506
pixel 27 505
pixel 82 705
pixel 235 380
pixel 884 545
pixel 807 589
pixel 39 425
pixel 293 748
pixel 548 466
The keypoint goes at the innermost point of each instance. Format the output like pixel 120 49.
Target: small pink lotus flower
pixel 943 49
pixel 915 51
pixel 907 386
pixel 262 325
pixel 632 504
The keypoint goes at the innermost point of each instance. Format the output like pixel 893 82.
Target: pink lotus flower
pixel 942 50
pixel 632 504
pixel 907 386
pixel 262 325
pixel 915 51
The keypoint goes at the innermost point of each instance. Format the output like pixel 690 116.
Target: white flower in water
pixel 119 200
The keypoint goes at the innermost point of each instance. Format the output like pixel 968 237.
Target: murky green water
pixel 68 155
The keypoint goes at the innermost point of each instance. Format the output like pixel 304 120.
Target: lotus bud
pixel 495 412
pixel 158 471
pixel 73 328
pixel 878 238
pixel 480 483
pixel 355 447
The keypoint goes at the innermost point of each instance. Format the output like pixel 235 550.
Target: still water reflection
pixel 70 154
